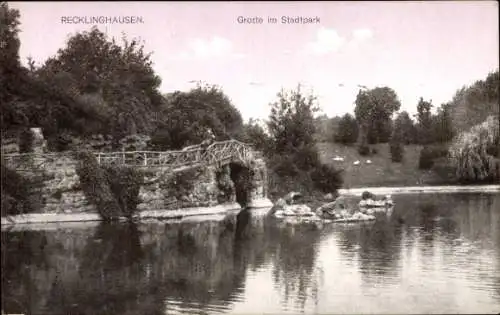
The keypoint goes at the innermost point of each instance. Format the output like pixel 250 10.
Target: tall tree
pixel 399 137
pixel 373 111
pixel 442 124
pixel 406 127
pixel 255 134
pixel 424 121
pixel 291 122
pixel 186 117
pixel 347 130
pixel 120 77
pixel 473 104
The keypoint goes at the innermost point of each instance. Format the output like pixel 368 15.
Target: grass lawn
pixel 381 172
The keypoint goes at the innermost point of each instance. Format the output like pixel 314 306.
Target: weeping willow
pixel 475 154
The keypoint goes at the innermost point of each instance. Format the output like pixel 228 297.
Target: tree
pixel 373 112
pixel 12 76
pixel 292 153
pixel 347 130
pixel 442 128
pixel 291 122
pixel 185 118
pixel 254 134
pixel 405 128
pixel 396 144
pixel 117 81
pixel 476 154
pixel 472 105
pixel 424 122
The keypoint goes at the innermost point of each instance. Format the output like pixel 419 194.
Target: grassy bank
pixel 381 172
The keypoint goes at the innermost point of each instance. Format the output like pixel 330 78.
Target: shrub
pixel 364 150
pixel 113 190
pixel 125 183
pixel 428 154
pixel 474 154
pixel 16 193
pixel 397 152
pixel 326 178
pixel 182 183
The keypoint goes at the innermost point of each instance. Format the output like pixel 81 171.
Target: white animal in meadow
pixel 356 162
pixel 368 161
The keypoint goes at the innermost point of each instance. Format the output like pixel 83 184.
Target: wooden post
pixel 145 159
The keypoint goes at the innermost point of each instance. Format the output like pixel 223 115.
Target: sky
pixel 419 49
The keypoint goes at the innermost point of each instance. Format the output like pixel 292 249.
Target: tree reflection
pixel 21 252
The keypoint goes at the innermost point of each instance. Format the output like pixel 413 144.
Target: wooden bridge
pixel 222 152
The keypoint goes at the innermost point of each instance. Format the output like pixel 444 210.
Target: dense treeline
pixel 446 134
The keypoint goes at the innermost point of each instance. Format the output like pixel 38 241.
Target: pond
pixel 436 253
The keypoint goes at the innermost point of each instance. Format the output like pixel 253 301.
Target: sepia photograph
pixel 250 157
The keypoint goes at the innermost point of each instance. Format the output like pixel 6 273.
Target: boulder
pixel 300 209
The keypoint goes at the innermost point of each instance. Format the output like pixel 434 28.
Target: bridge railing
pixel 216 152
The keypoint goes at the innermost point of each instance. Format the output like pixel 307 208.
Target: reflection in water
pixel 434 254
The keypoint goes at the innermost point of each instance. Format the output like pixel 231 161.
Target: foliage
pixel 181 184
pixel 134 142
pixel 405 128
pixel 471 105
pixel 291 122
pixel 396 144
pixel 292 155
pixel 429 154
pixel 125 183
pixel 16 193
pixel 471 152
pixel 373 112
pixel 118 81
pixel 254 134
pixel 326 128
pixel 114 191
pixel 347 130
pixel 424 122
pixel 326 178
pixel 397 151
pixel 442 124
pixel 185 118
pixel 364 149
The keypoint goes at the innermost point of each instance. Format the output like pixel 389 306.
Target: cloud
pixel 327 40
pixel 203 49
pixel 362 34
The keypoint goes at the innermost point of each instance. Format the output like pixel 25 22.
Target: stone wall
pixel 202 187
pixel 171 191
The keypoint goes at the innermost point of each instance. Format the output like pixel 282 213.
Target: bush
pixel 364 150
pixel 182 183
pixel 125 183
pixel 430 153
pixel 326 178
pixel 397 152
pixel 113 190
pixel 16 193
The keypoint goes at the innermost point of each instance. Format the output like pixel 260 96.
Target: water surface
pixel 434 254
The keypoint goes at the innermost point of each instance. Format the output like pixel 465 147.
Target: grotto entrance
pixel 240 185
